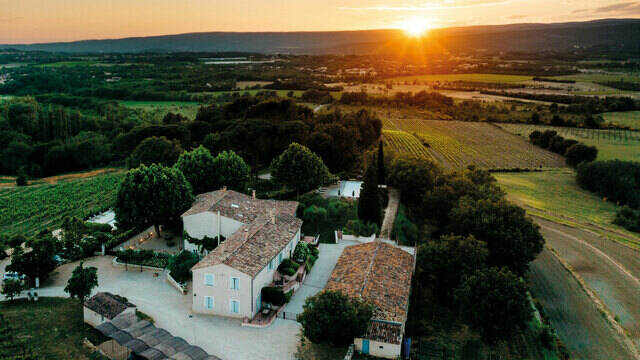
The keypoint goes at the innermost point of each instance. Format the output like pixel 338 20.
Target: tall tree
pixel 154 195
pixel 382 174
pixel 231 170
pixel 155 150
pixel 36 263
pixel 299 169
pixel 11 288
pixel 332 317
pixel 81 282
pixel 494 302
pixel 199 168
pixel 369 208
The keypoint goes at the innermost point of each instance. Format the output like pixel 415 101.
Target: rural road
pixel 390 214
pixel 611 270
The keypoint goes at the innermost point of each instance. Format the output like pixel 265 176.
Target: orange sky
pixel 28 21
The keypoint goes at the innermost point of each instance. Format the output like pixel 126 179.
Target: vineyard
pixel 458 144
pixel 403 142
pixel 611 143
pixel 28 210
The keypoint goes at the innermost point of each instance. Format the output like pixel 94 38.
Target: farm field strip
pixel 460 144
pixel 403 142
pixel 493 78
pixel 624 118
pixel 611 143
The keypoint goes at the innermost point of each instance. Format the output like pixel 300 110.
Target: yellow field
pixel 492 78
pixel 458 144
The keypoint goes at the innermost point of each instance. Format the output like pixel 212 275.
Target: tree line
pixel 574 151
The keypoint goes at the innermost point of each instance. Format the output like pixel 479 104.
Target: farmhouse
pixel 260 234
pixel 104 306
pixel 379 273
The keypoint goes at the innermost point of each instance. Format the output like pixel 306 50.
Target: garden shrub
pixel 358 228
pixel 301 252
pixel 288 267
pixel 180 265
pixel 273 295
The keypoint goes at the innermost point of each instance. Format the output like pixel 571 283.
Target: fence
pixel 288 315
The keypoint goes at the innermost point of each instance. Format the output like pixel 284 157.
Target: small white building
pixel 105 306
pixel 259 234
pixel 379 273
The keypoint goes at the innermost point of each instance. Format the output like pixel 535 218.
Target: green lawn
pixel 52 327
pixel 492 78
pixel 556 192
pixel 70 63
pixel 29 209
pixel 161 108
pixel 624 118
pixel 629 77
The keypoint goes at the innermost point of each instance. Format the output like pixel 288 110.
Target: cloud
pixel 615 7
pixel 622 8
pixel 515 17
pixel 447 4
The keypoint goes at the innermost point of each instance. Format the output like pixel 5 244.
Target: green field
pixel 555 194
pixel 53 328
pixel 629 77
pixel 612 144
pixel 625 118
pixel 29 209
pixel 70 63
pixel 490 78
pixel 161 108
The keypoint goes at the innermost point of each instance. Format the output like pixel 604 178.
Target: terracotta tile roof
pixel 251 248
pixel 107 304
pixel 379 273
pixel 390 333
pixel 238 206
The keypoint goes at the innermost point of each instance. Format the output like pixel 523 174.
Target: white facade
pixel 378 349
pixel 233 290
pixel 206 224
pixel 94 319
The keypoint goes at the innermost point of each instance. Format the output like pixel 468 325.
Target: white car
pixel 9 275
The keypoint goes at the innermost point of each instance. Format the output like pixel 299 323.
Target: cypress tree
pixel 381 171
pixel 369 202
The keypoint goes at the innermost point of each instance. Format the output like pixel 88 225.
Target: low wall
pixel 116 263
pixel 361 239
pixel 135 240
pixel 175 284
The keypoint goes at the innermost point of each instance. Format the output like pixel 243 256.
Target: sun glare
pixel 415 27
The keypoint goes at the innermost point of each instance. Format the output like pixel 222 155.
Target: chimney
pixel 224 188
pixel 246 234
pixel 273 216
pixel 253 194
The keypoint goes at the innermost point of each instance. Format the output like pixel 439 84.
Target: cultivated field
pixel 458 144
pixel 555 195
pixel 625 118
pixel 405 143
pixel 611 143
pixel 28 210
pixel 492 78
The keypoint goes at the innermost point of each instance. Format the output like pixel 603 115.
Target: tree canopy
pixel 199 168
pixel 154 195
pixel 369 208
pixel 81 282
pixel 334 318
pixel 155 150
pixel 299 169
pixel 231 170
pixel 38 262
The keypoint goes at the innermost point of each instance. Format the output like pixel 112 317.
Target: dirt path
pixel 572 313
pixel 390 214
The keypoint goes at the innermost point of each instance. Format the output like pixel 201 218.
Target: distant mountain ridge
pixel 622 34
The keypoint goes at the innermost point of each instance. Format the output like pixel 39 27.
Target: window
pixel 235 283
pixel 208 302
pixel 271 264
pixel 208 279
pixel 279 258
pixel 234 306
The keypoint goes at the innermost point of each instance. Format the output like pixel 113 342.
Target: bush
pixel 180 265
pixel 301 252
pixel 579 153
pixel 11 288
pixel 288 267
pixel 273 295
pixel 628 218
pixel 358 228
pixel 143 257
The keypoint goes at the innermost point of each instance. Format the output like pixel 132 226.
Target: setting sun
pixel 414 27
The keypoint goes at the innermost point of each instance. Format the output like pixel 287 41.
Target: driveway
pixel 319 276
pixel 171 311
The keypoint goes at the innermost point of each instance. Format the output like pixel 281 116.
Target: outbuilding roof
pixel 380 274
pixel 107 304
pixel 252 247
pixel 238 206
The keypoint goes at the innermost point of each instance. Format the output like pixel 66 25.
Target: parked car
pixel 10 275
